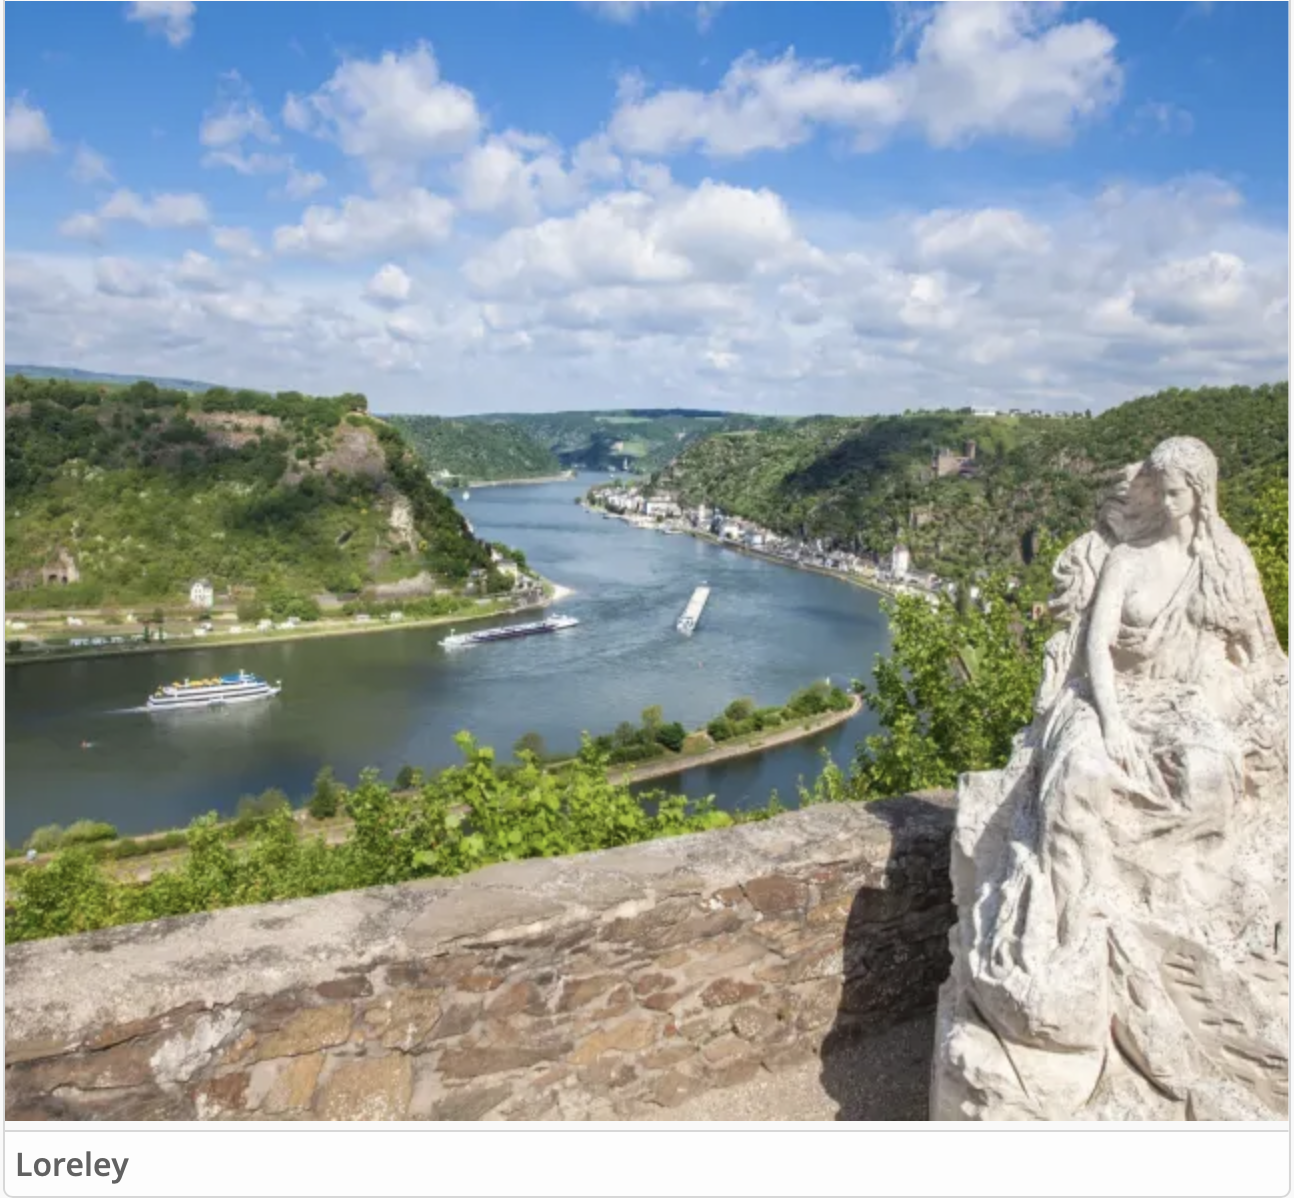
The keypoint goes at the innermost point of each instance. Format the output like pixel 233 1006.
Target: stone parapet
pixel 600 986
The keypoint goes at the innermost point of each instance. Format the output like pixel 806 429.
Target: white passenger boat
pixel 212 692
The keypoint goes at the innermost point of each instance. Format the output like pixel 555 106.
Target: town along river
pixel 390 698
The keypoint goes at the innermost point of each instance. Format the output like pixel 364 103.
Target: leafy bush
pixel 721 728
pixel 87 831
pixel 740 709
pixel 254 809
pixel 406 777
pixel 466 817
pixel 672 736
pixel 326 797
pixel 45 839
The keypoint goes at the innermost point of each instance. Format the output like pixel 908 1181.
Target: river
pixel 391 698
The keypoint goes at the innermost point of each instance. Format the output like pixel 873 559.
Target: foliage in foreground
pixel 468 816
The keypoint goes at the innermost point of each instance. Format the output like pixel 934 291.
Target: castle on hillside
pixel 945 462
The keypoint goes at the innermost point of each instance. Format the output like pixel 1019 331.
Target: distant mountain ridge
pixel 101 376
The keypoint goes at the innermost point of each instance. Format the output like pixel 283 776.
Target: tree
pixel 653 717
pixel 532 743
pixel 1268 540
pixel 407 778
pixel 325 799
pixel 956 689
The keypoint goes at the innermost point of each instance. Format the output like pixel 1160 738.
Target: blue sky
pixel 773 207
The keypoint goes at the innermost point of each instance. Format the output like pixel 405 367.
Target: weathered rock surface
pixel 608 985
pixel 1122 885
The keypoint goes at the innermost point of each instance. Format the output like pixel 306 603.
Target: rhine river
pixel 391 698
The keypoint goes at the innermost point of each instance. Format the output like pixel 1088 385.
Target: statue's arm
pixel 1102 630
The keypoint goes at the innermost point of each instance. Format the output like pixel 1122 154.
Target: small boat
pixel 212 692
pixel 457 640
pixel 467 495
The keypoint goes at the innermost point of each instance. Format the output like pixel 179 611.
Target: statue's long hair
pixel 1225 600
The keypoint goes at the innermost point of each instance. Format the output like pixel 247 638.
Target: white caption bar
pixel 746 1160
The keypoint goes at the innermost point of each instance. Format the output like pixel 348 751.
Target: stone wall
pixel 604 986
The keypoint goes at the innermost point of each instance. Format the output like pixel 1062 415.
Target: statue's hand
pixel 1119 742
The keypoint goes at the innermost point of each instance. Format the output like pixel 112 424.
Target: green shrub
pixel 45 839
pixel 720 728
pixel 672 736
pixel 325 799
pixel 254 809
pixel 740 709
pixel 87 831
pixel 404 780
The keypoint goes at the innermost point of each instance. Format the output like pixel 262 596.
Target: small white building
pixel 202 594
pixel 900 561
pixel 984 411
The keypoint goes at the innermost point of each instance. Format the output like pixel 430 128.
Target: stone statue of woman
pixel 1122 884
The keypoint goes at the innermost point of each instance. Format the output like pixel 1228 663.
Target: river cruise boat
pixel 458 640
pixel 212 692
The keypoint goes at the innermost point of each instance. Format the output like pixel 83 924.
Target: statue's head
pixel 1185 474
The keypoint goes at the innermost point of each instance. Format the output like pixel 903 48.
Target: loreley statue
pixel 1122 884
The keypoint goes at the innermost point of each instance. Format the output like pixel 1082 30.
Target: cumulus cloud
pixel 392 112
pixel 711 295
pixel 88 166
pixel 301 184
pixel 389 287
pixel 237 118
pixel 236 242
pixel 412 220
pixel 713 232
pixel 168 210
pixel 171 19
pixel 626 12
pixel 26 131
pixel 1013 70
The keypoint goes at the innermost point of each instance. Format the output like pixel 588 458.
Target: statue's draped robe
pixel 1118 954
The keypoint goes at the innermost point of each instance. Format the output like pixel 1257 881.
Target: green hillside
pixel 474 450
pixel 645 438
pixel 133 493
pixel 96 376
pixel 866 483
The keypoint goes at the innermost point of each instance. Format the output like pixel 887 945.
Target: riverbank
pixel 866 583
pixel 336 829
pixel 564 477
pixel 756 742
pixel 316 629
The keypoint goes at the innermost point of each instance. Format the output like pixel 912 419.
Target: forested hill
pixel 99 376
pixel 476 450
pixel 133 493
pixel 641 440
pixel 867 483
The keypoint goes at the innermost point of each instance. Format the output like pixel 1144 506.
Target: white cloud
pixel 301 184
pixel 389 287
pixel 88 166
pixel 236 118
pixel 185 210
pixel 393 112
pixel 626 12
pixel 172 19
pixel 715 232
pixel 26 131
pixel 236 242
pixel 81 226
pixel 978 70
pixel 124 278
pixel 360 227
pixel 712 296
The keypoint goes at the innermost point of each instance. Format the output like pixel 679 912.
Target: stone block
pixel 369 1089
pixel 310 1030
pixel 467 1063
